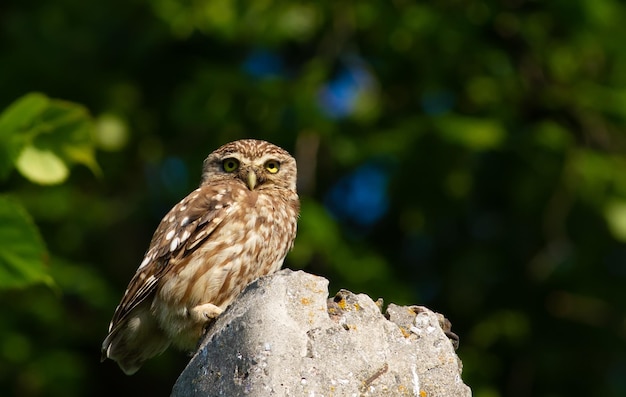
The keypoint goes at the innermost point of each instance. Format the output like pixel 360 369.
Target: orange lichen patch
pixel 342 304
pixel 404 331
pixel 423 393
pixel 357 306
pixel 305 301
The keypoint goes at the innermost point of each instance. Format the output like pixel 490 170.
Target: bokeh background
pixel 464 155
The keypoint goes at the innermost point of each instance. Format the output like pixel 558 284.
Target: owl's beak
pixel 251 179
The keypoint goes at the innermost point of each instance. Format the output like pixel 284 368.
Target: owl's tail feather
pixel 134 340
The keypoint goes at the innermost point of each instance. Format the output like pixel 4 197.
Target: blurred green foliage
pixel 22 258
pixel 40 137
pixel 465 155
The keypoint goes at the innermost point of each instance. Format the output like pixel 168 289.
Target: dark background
pixel 463 155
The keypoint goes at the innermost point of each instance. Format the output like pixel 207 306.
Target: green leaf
pixel 68 131
pixel 44 137
pixel 21 113
pixel 19 116
pixel 23 255
pixel 42 166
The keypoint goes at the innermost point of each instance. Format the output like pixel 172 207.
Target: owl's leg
pixel 203 317
pixel 205 313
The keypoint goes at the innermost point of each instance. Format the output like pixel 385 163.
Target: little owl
pixel 236 227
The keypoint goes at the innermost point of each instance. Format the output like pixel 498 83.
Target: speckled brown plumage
pixel 237 226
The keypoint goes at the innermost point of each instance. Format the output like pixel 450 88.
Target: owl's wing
pixel 188 224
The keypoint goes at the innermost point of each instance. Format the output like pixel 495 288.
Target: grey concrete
pixel 284 337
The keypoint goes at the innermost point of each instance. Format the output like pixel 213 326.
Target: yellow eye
pixel 272 166
pixel 230 164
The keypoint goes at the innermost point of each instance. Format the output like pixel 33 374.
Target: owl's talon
pixel 205 313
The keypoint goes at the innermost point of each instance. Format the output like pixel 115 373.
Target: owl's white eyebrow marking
pixel 265 158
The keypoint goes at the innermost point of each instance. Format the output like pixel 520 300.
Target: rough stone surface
pixel 284 337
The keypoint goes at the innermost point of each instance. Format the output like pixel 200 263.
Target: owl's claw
pixel 205 313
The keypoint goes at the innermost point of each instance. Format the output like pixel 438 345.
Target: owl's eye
pixel 230 164
pixel 272 166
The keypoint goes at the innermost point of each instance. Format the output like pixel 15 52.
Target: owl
pixel 236 227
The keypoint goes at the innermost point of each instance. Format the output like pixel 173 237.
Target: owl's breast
pixel 250 242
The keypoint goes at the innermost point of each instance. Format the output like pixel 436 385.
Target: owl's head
pixel 257 164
